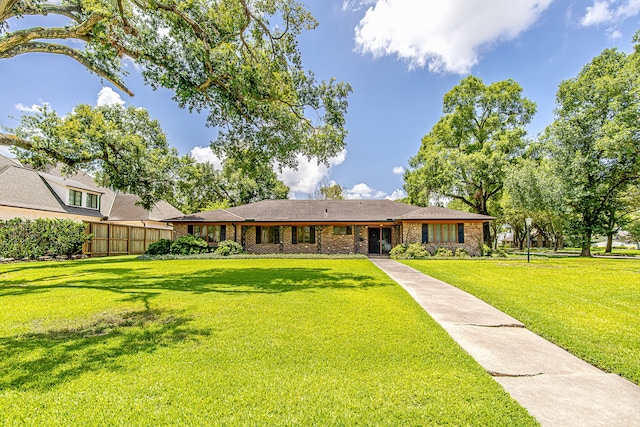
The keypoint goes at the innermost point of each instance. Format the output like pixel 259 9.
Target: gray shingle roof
pixel 27 188
pixel 438 213
pixel 288 211
pixel 124 208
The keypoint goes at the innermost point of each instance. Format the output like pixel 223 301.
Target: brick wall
pixel 356 243
pixel 472 238
pixel 180 230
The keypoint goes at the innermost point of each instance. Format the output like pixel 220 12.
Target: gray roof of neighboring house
pixel 124 208
pixel 30 189
pixel 327 211
pixel 25 188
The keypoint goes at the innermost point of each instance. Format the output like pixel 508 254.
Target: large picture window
pixel 75 198
pixel 212 234
pixel 303 234
pixel 267 234
pixel 443 233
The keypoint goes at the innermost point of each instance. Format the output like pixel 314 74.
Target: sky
pixel 400 56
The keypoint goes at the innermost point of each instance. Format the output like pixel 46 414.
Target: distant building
pixel 118 224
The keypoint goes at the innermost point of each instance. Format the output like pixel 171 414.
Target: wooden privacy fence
pixel 113 239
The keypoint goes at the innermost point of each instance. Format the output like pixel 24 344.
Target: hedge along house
pixel 370 227
pixel 117 224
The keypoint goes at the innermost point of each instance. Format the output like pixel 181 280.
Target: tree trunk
pixel 609 244
pixel 486 233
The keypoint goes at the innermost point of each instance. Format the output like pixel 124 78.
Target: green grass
pixel 591 307
pixel 230 342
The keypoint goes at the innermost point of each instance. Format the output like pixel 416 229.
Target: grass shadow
pixel 46 358
pixel 140 283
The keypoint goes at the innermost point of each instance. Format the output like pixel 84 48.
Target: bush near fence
pixel 31 239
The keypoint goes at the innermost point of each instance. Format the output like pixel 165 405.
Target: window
pixel 93 201
pixel 267 234
pixel 75 198
pixel 211 234
pixel 303 234
pixel 443 233
pixel 343 231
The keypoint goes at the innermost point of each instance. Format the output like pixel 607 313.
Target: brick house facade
pixel 335 227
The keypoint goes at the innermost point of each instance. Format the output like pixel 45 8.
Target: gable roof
pixel 288 211
pixel 27 188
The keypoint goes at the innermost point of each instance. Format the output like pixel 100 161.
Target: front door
pixel 379 240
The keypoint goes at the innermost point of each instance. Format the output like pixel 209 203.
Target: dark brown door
pixel 379 240
pixel 374 240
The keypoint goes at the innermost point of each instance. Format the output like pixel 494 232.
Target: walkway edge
pixel 557 388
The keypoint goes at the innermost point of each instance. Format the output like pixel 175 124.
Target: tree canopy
pixel 122 148
pixel 466 154
pixel 238 60
pixel 594 141
pixel 201 187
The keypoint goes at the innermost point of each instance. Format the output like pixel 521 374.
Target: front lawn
pixel 118 341
pixel 591 307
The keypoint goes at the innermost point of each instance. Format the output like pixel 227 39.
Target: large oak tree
pixel 594 141
pixel 238 60
pixel 467 152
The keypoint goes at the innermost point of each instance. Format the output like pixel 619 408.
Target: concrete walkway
pixel 557 388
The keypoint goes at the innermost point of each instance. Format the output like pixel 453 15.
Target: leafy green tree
pixel 594 141
pixel 633 229
pixel 237 59
pixel 467 152
pixel 619 213
pixel 122 147
pixel 200 187
pixel 532 190
pixel 332 192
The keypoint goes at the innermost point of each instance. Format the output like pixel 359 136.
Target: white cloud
pixel 397 194
pixel 108 96
pixel 610 11
pixel 205 155
pixel 398 170
pixel 445 36
pixel 363 191
pixel 309 173
pixel 31 109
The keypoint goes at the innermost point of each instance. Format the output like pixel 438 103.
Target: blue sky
pixel 400 56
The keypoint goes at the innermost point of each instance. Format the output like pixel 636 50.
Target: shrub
pixel 228 247
pixel 398 252
pixel 444 253
pixel 187 245
pixel 499 253
pixel 412 251
pixel 43 236
pixel 416 251
pixel 461 253
pixel 160 247
pixel 486 250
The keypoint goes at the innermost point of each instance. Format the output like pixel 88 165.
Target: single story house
pixel 118 224
pixel 334 226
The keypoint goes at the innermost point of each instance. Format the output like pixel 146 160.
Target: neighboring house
pixel 335 226
pixel 118 225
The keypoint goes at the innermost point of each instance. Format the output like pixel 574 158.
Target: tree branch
pixel 41 47
pixel 79 31
pixel 71 12
pixel 6 7
pixel 8 140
